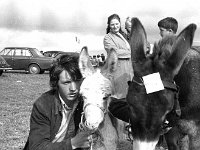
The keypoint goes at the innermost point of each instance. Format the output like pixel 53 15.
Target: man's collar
pixel 63 103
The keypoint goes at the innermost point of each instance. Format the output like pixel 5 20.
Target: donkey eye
pixel 106 96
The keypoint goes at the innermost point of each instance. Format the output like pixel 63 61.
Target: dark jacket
pixel 45 122
pixel 120 109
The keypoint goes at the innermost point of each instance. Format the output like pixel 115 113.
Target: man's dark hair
pixel 169 23
pixel 68 63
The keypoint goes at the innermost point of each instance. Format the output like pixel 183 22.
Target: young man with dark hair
pixel 56 113
pixel 168 26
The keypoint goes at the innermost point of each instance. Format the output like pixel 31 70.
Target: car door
pixel 21 59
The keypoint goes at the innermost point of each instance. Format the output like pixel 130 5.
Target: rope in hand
pixel 91 142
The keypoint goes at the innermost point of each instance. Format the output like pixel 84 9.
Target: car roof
pixel 76 54
pixel 19 47
pixel 53 52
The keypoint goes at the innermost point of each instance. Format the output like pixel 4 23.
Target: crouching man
pixel 56 114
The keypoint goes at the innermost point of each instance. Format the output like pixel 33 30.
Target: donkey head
pixel 152 91
pixel 96 87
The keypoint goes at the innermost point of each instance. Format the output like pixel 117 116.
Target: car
pixel 27 58
pixel 74 54
pixel 51 53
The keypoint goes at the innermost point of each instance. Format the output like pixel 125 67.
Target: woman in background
pixel 115 38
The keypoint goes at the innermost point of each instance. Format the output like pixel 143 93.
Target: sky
pixel 68 25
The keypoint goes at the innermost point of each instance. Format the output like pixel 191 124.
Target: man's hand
pixel 83 140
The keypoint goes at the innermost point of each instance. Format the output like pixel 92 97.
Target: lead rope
pixel 83 128
pixel 91 143
pixel 81 124
pixel 128 128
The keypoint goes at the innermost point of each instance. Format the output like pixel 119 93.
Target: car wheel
pixel 34 69
pixel 1 71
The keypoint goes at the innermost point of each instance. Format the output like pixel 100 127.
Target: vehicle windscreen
pixel 38 53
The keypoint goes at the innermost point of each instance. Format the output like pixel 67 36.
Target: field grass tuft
pixel 18 91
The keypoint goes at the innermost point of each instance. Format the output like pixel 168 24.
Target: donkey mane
pixel 156 61
pixel 164 47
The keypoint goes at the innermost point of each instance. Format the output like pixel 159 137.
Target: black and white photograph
pixel 99 75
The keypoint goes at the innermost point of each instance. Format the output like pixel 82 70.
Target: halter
pixel 83 124
pixel 97 105
pixel 167 84
pixel 84 127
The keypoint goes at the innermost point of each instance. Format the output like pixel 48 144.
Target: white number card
pixel 153 83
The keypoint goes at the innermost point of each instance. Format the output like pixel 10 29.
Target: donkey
pixel 96 89
pixel 152 92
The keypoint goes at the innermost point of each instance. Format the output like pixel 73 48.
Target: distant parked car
pixel 26 58
pixel 51 53
pixel 74 54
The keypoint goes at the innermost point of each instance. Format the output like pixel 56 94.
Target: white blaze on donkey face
pixel 144 145
pixel 94 89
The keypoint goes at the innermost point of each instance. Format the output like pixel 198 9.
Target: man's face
pixel 164 32
pixel 114 25
pixel 68 88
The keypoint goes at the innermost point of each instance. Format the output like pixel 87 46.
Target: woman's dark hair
pixel 113 16
pixel 65 62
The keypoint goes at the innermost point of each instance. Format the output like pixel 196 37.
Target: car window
pixel 18 52
pixel 22 52
pixel 10 52
pixel 5 52
pixel 2 52
pixel 38 52
pixel 26 52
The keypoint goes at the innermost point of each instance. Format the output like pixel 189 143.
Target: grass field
pixel 18 91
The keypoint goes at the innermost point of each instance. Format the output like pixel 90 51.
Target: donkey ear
pixel 138 41
pixel 111 62
pixel 85 64
pixel 180 48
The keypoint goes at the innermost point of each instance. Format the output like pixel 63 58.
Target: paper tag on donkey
pixel 153 83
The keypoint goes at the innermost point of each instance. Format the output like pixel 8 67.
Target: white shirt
pixel 66 116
